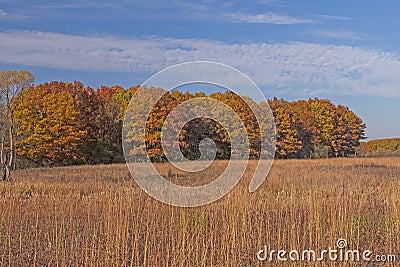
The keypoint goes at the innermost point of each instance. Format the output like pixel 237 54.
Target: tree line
pixel 381 148
pixel 63 123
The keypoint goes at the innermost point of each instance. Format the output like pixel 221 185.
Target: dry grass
pixel 97 216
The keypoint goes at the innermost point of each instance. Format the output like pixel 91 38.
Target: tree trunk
pixel 4 164
pixel 11 159
pixel 2 149
pixel 6 173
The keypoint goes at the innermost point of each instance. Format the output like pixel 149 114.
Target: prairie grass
pixel 98 216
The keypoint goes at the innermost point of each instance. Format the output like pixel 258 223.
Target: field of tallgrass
pixel 98 216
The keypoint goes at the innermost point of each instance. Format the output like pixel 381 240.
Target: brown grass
pixel 97 216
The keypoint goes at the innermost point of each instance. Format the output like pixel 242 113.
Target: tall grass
pixel 97 216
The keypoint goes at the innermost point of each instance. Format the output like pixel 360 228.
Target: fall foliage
pixel 48 124
pixel 315 128
pixel 381 147
pixel 61 123
pixel 12 83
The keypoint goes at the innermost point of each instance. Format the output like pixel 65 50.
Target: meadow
pixel 97 216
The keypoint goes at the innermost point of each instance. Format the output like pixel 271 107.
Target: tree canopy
pixel 61 123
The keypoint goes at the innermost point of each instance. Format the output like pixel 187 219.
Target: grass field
pixel 98 216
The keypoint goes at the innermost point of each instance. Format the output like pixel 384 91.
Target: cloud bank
pixel 293 68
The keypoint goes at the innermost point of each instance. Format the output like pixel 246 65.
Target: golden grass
pixel 97 216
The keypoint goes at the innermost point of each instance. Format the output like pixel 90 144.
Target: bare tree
pixel 12 83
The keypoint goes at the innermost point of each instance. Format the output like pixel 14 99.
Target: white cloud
pixel 6 15
pixel 157 4
pixel 334 17
pixel 3 13
pixel 272 2
pixel 79 6
pixel 339 34
pixel 268 18
pixel 294 68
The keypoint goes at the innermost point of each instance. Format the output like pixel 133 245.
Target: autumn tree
pixel 49 125
pixel 86 124
pixel 239 104
pixel 315 128
pixel 122 98
pixel 323 115
pixel 305 127
pixel 142 130
pixel 109 123
pixel 154 124
pixel 12 83
pixel 381 147
pixel 287 140
pixel 347 133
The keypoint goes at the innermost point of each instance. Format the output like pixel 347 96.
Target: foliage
pixel 382 147
pixel 48 124
pixel 61 123
pixel 12 83
pixel 65 123
pixel 315 128
pixel 288 142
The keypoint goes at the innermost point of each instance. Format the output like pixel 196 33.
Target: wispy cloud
pixel 339 34
pixel 333 17
pixel 6 15
pixel 293 68
pixel 179 4
pixel 79 6
pixel 279 3
pixel 268 18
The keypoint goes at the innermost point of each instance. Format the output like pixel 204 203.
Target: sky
pixel 346 51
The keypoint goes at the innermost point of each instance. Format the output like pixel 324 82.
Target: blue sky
pixel 347 51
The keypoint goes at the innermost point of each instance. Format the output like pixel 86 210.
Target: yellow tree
pixel 137 116
pixel 323 116
pixel 12 83
pixel 48 125
pixel 122 98
pixel 287 141
pixel 306 130
pixel 349 130
pixel 239 105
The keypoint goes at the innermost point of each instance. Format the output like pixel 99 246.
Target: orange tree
pixel 48 124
